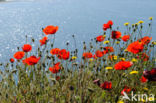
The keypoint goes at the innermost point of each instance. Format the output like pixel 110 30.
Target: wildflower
pixel 140 22
pixel 43 40
pixel 106 42
pixel 100 38
pixel 94 56
pixel 151 99
pixel 57 77
pixel 150 18
pixel 55 68
pixel 106 85
pixel 108 25
pixel 145 88
pixel 108 49
pixel 150 75
pixel 144 57
pixel 135 47
pixel 50 29
pixel 74 57
pixel 32 60
pixel 109 68
pixel 116 34
pixel 126 38
pixel 123 65
pixel 126 24
pixel 91 60
pixel 123 59
pixel 19 55
pixel 99 53
pixel 115 57
pixel 126 89
pixel 26 47
pixel 63 54
pixel 143 79
pixel 154 42
pixel 126 50
pixel 136 24
pixel 134 60
pixel 12 60
pixel 145 40
pixel 118 42
pixel 120 101
pixel 134 72
pixel 54 51
pixel 87 55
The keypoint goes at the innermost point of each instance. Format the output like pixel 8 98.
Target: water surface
pixel 84 18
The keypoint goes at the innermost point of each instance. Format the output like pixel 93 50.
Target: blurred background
pixel 83 18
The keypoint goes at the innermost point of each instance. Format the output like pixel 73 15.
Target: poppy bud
pixel 73 35
pixel 33 40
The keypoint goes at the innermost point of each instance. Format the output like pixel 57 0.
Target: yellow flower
pixel 120 101
pixel 118 42
pixel 109 68
pixel 150 18
pixel 74 57
pixel 115 57
pixel 143 100
pixel 140 22
pixel 151 99
pixel 104 36
pixel 154 42
pixel 145 88
pixel 126 50
pixel 136 24
pixel 91 59
pixel 133 25
pixel 126 24
pixel 122 59
pixel 134 60
pixel 106 42
pixel 134 72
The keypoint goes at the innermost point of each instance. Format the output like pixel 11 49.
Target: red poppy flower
pixel 125 38
pixel 99 53
pixel 19 55
pixel 87 55
pixel 100 38
pixel 123 65
pixel 50 29
pixel 63 54
pixel 144 57
pixel 116 34
pixel 54 51
pixel 135 47
pixel 57 77
pixel 12 60
pixel 153 71
pixel 108 25
pixel 55 68
pixel 94 56
pixel 126 89
pixel 145 40
pixel 43 40
pixel 150 75
pixel 108 49
pixel 26 47
pixel 32 60
pixel 143 79
pixel 106 85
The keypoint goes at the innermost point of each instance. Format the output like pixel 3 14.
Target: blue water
pixel 84 18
